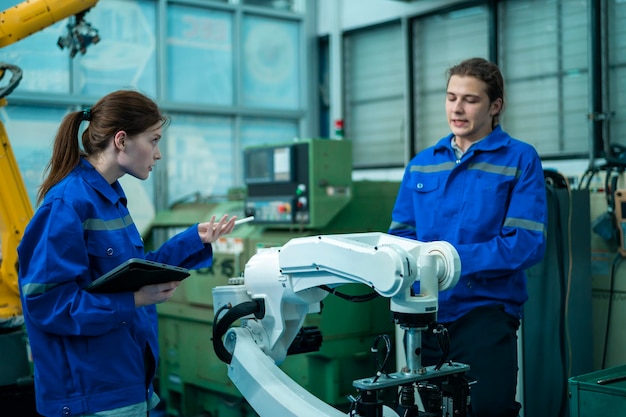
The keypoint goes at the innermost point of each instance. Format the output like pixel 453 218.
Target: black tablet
pixel 134 274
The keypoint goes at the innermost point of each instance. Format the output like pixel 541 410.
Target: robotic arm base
pixel 266 387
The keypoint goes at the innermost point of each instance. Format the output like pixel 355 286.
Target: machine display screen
pixel 268 165
pixel 258 167
pixel 282 164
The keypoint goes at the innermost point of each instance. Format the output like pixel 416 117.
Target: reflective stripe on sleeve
pixel 525 224
pixel 400 226
pixel 114 224
pixel 36 289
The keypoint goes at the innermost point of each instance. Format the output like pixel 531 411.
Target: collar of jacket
pixel 497 139
pixel 112 192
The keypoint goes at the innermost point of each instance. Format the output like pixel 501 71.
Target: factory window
pixel 124 56
pixel 200 56
pixel 544 57
pixel 45 67
pixel 375 95
pixel 126 53
pixel 198 151
pixel 440 41
pixel 290 5
pixel 229 72
pixel 255 131
pixel 270 63
pixel 36 126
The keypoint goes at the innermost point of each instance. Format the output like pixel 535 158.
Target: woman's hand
pixel 211 231
pixel 155 293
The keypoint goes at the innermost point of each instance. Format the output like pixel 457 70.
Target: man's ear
pixel 496 107
pixel 120 140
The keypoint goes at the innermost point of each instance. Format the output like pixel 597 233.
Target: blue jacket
pixel 88 349
pixel 490 205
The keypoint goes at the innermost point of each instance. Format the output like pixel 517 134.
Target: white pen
pixel 244 220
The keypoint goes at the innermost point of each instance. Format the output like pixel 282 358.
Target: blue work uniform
pixel 91 352
pixel 490 205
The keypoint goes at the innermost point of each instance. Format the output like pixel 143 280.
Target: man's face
pixel 469 112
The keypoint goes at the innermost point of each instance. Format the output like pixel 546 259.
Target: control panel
pixel 305 182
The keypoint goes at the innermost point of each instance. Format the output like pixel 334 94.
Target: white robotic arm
pixel 288 282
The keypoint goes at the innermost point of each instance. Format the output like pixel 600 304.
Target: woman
pixel 488 190
pixel 96 354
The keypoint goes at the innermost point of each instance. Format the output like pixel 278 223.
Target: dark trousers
pixel 486 340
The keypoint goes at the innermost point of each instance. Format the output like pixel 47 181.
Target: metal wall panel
pixel 439 42
pixel 375 95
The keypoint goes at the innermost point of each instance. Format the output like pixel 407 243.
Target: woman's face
pixel 141 152
pixel 469 111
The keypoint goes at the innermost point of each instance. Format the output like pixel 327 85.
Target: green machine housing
pixel 598 393
pixel 294 189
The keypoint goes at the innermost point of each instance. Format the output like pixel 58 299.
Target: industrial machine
pixel 280 286
pixel 18 22
pixel 317 174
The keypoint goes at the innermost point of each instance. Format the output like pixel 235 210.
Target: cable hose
pixel 221 326
pixel 16 77
pixel 443 340
pixel 381 364
pixel 351 298
pixel 562 324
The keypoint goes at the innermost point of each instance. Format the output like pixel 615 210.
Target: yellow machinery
pixel 293 189
pixel 28 17
pixel 15 212
pixel 16 209
pixel 17 23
